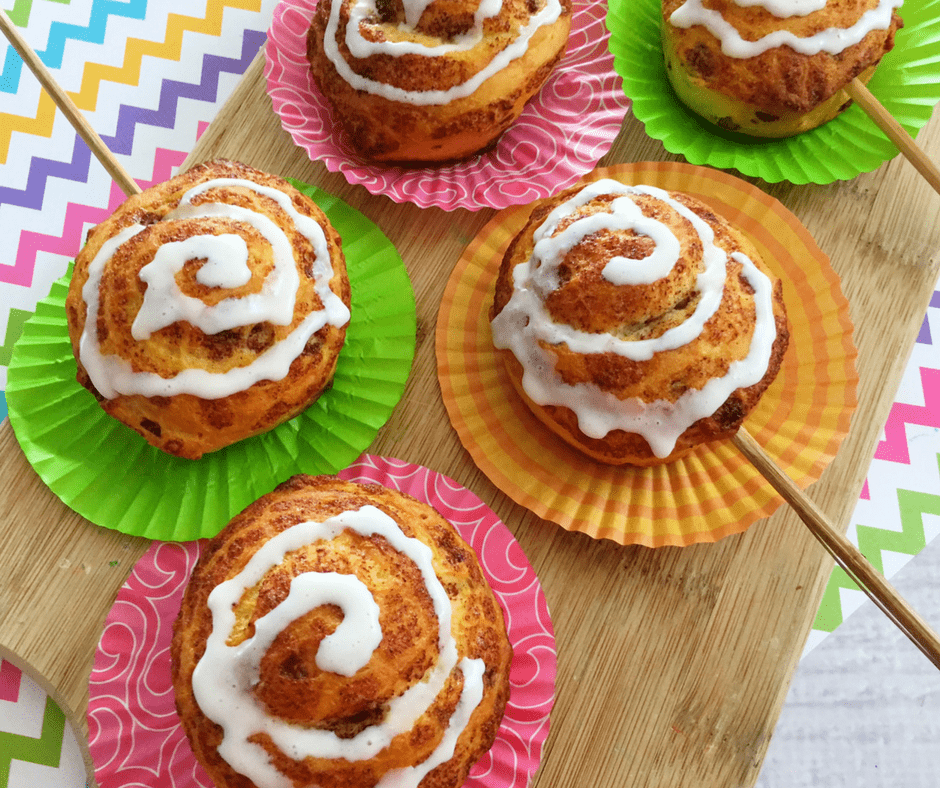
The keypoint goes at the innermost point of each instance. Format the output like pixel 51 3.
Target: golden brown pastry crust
pixel 183 424
pixel 780 92
pixel 291 685
pixel 389 131
pixel 590 303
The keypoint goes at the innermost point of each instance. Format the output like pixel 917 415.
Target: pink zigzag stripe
pixel 76 215
pixel 10 678
pixel 66 244
pixel 894 447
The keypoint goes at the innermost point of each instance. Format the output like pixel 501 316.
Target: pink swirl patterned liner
pixel 560 135
pixel 134 733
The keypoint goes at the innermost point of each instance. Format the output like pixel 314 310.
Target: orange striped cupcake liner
pixel 712 492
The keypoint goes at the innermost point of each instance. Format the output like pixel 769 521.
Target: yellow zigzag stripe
pixel 128 73
pixel 40 125
pixel 170 49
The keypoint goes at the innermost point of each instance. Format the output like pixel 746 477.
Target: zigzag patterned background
pixel 37 748
pixel 126 67
pixel 898 512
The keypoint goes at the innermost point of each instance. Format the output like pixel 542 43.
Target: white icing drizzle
pixel 524 321
pixel 229 269
pixel 360 47
pixel 226 266
pixel 225 675
pixel 785 8
pixel 832 40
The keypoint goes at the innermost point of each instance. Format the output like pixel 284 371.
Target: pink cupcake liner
pixel 134 732
pixel 560 135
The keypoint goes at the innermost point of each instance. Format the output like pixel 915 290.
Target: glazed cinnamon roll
pixel 773 68
pixel 339 634
pixel 635 322
pixel 209 308
pixel 424 81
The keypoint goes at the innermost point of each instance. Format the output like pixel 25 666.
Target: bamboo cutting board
pixel 673 663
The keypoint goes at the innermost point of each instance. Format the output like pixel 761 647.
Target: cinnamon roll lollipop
pixel 424 81
pixel 636 323
pixel 773 68
pixel 339 634
pixel 209 308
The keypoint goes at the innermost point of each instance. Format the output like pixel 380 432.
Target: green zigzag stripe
pixel 872 542
pixel 45 751
pixel 15 323
pixel 19 14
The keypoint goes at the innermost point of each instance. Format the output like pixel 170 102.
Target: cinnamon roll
pixel 339 634
pixel 425 81
pixel 773 68
pixel 209 308
pixel 636 323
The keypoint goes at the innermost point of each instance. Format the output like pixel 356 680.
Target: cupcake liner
pixel 134 733
pixel 712 492
pixel 907 82
pixel 110 475
pixel 560 135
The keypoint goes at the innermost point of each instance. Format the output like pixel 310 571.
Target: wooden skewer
pixel 63 102
pixel 847 555
pixel 895 132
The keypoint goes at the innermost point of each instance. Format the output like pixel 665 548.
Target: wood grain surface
pixel 673 663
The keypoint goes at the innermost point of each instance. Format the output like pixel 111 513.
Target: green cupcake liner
pixel 907 83
pixel 111 476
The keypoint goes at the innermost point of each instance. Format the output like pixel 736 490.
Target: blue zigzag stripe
pixel 61 32
pixel 41 169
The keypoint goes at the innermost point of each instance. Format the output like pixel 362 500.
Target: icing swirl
pixel 525 326
pixel 225 267
pixel 362 47
pixel 224 677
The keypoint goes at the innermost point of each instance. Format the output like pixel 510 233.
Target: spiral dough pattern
pixel 632 320
pixel 339 634
pixel 209 308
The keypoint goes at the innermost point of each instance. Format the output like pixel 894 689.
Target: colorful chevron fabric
pixel 37 747
pixel 899 510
